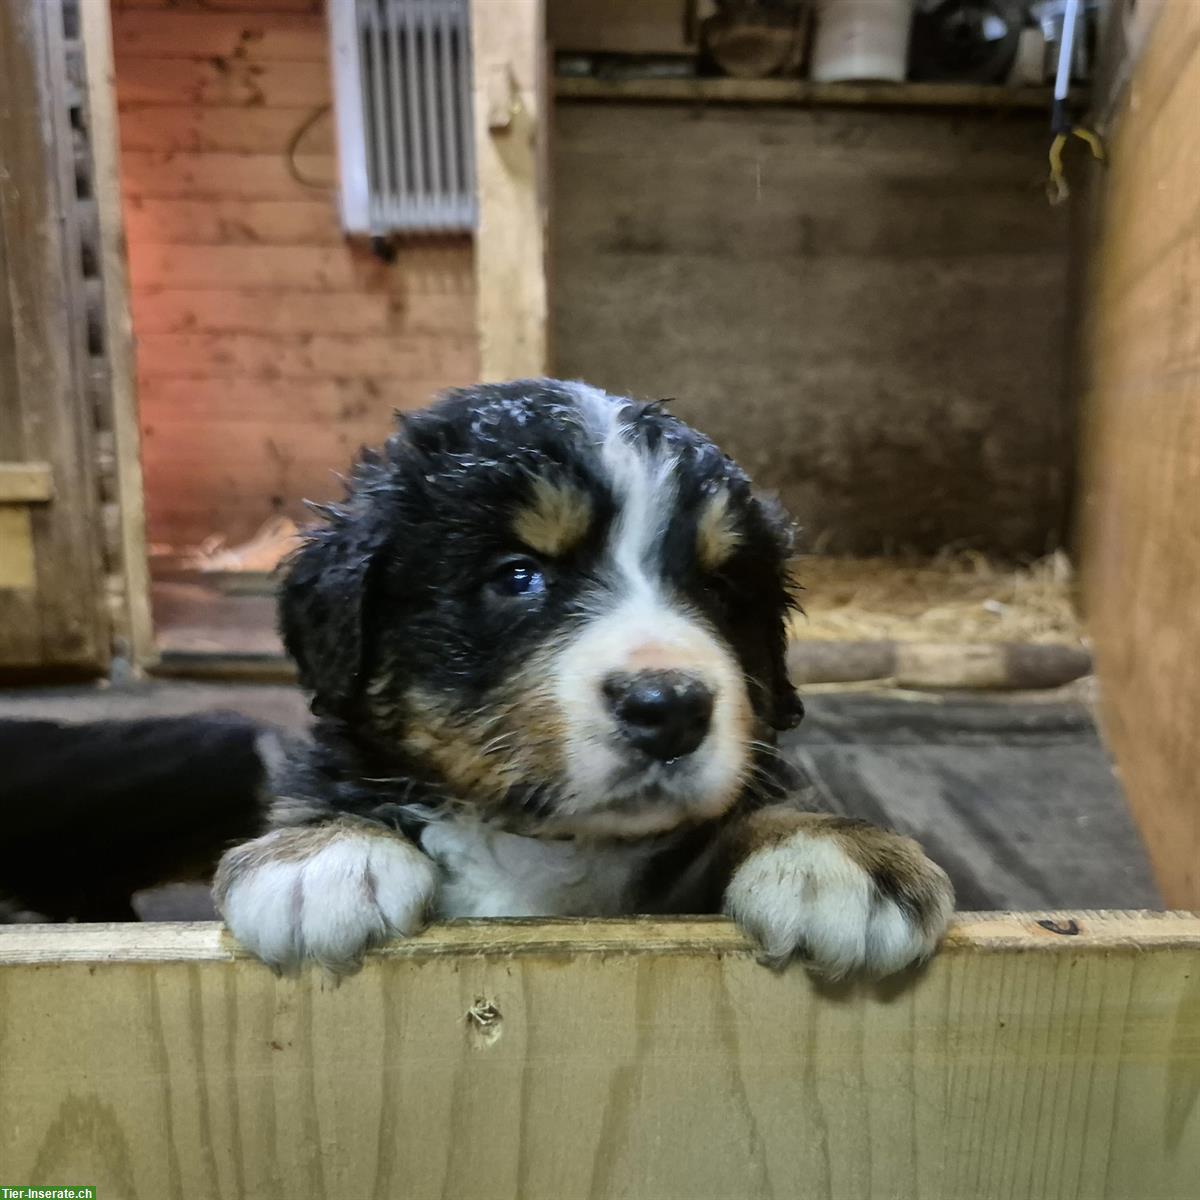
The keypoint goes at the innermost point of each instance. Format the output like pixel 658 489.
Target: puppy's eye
pixel 518 577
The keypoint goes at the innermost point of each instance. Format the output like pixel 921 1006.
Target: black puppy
pixel 545 639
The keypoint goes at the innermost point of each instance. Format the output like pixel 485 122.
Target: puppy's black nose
pixel 665 714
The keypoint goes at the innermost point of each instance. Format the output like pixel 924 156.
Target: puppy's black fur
pixel 95 811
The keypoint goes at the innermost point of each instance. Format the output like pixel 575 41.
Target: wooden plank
pixel 509 52
pixel 135 623
pixel 175 128
pixel 234 7
pixel 322 406
pixel 182 222
pixel 317 356
pixel 252 8
pixel 444 270
pixel 1038 1055
pixel 617 26
pixel 171 310
pixel 224 176
pixel 805 93
pixel 1141 523
pixel 222 81
pixel 280 268
pixel 18 568
pixel 46 313
pixel 20 623
pixel 26 483
pixel 255 35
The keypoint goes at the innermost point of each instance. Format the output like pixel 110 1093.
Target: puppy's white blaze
pixel 636 618
pixel 349 895
pixel 806 894
pixel 642 484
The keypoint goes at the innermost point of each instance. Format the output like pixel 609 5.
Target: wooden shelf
pixel 803 93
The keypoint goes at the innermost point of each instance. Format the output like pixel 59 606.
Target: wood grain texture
pixel 1140 510
pixel 804 92
pixel 26 483
pixel 866 309
pixel 508 45
pixel 1039 1055
pixel 243 285
pixel 132 618
pixel 45 412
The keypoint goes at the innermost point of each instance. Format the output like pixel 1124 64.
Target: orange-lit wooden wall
pixel 1141 499
pixel 268 348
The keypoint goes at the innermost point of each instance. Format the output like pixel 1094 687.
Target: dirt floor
pixel 1014 795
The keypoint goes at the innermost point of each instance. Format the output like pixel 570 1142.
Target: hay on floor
pixel 952 598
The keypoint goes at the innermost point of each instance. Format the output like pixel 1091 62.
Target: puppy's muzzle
pixel 664 714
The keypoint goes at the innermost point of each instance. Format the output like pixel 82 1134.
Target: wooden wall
pixel 868 308
pixel 1141 494
pixel 268 348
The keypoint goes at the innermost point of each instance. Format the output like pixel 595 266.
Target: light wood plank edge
pixel 985 932
pixel 512 185
pixel 803 92
pixel 26 483
pixel 96 31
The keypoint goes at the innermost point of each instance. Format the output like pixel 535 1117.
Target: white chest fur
pixel 487 873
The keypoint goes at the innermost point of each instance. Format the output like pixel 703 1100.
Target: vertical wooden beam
pixel 45 409
pixel 512 111
pixel 134 623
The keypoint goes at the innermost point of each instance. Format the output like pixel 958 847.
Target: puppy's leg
pixel 326 893
pixel 841 893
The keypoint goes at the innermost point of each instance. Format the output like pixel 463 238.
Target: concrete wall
pixel 868 309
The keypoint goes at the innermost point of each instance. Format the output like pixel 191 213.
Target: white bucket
pixel 861 40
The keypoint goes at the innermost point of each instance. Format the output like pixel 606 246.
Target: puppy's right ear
pixel 323 606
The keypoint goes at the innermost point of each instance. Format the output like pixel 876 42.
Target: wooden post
pixel 1038 1055
pixel 511 120
pixel 133 621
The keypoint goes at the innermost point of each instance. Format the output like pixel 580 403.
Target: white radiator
pixel 402 102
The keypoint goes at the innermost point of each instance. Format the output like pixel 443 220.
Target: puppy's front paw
pixel 842 894
pixel 326 893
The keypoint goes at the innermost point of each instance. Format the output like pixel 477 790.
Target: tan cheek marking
pixel 519 740
pixel 717 536
pixel 557 519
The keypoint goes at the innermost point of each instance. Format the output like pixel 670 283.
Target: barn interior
pixel 868 303
pixel 882 295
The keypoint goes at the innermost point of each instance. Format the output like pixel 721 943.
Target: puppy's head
pixel 559 605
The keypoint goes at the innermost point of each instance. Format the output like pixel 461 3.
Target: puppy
pixel 545 637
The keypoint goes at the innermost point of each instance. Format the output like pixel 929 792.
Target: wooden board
pixel 1139 509
pixel 512 115
pixel 806 93
pixel 53 611
pixel 1039 1055
pixel 131 601
pixel 866 308
pixel 26 483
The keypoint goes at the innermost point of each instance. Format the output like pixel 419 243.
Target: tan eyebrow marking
pixel 556 520
pixel 717 536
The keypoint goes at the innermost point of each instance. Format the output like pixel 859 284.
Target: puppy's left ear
pixel 324 602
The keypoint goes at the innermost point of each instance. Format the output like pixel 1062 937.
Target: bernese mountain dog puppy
pixel 544 636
